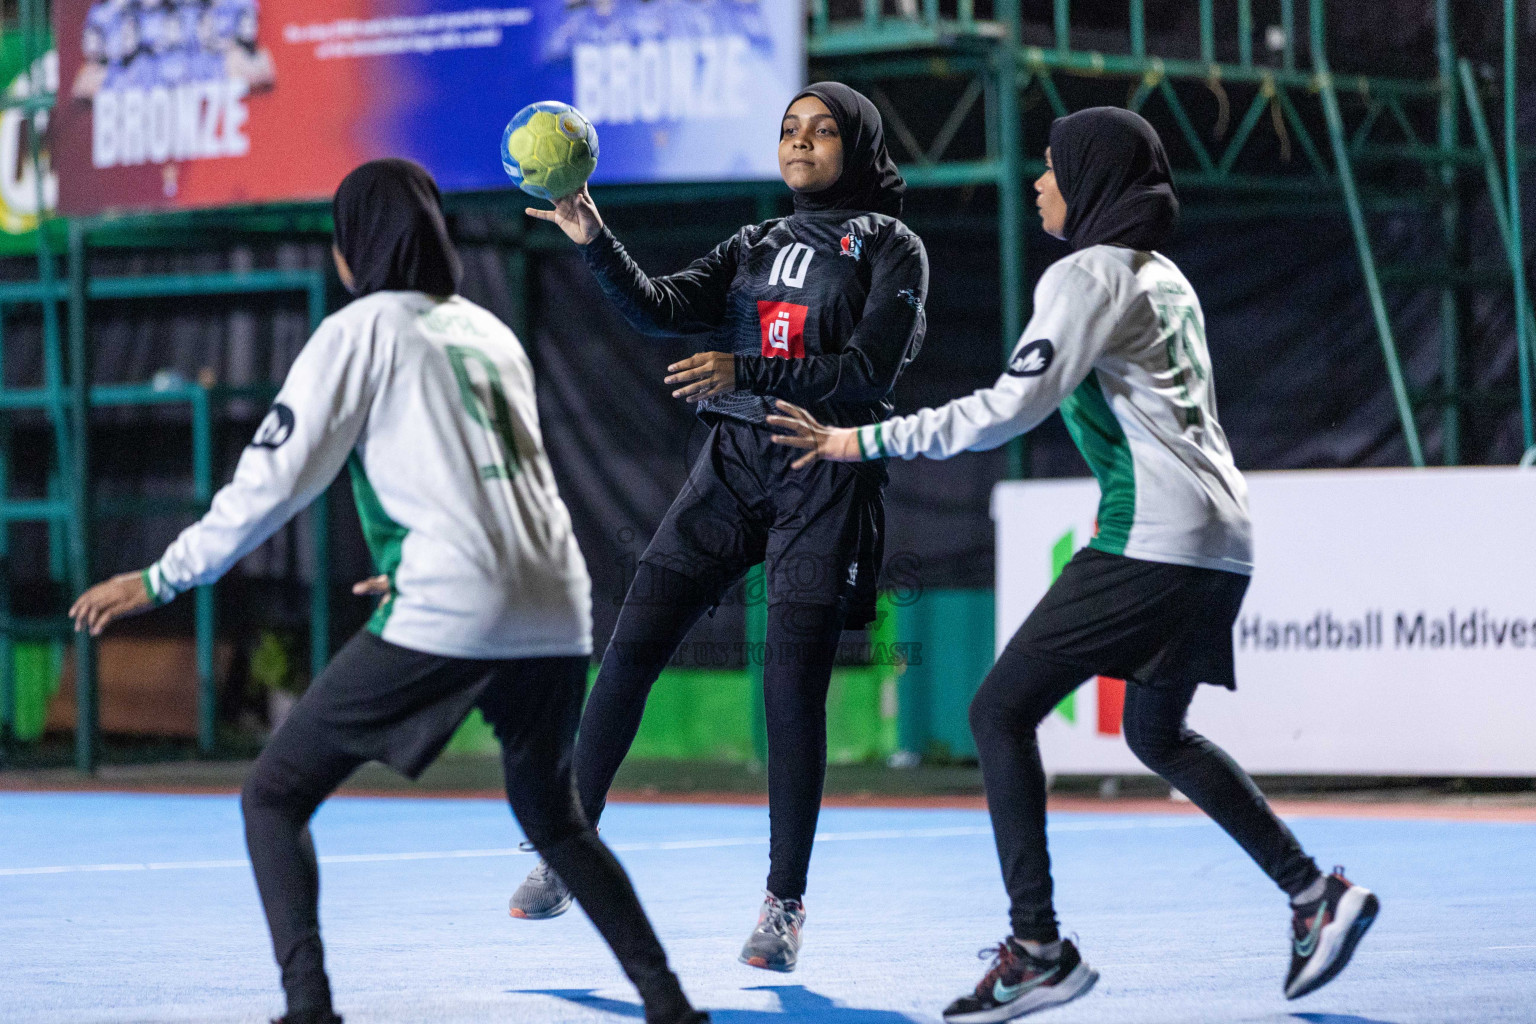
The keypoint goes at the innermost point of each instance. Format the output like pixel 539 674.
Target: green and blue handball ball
pixel 549 149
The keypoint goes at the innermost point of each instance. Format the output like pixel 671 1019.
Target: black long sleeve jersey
pixel 823 309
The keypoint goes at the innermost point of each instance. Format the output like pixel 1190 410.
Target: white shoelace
pixel 775 918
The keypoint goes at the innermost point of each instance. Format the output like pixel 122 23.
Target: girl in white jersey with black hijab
pixel 1117 343
pixel 429 401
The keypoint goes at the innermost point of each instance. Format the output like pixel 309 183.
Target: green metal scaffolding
pixel 66 400
pixel 1361 172
pixel 1358 136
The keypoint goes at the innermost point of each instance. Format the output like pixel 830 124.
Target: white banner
pixel 1390 628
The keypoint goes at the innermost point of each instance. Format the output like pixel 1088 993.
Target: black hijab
pixel 870 180
pixel 1113 173
pixel 390 230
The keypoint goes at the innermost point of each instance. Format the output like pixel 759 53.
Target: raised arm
pixel 885 340
pixel 687 302
pixel 299 448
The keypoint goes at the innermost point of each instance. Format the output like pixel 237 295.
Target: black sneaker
pixel 1018 983
pixel 1324 933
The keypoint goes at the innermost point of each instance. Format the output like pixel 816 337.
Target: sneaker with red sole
pixel 774 944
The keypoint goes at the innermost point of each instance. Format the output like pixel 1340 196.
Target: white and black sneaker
pixel 541 895
pixel 1324 933
pixel 774 944
pixel 1018 983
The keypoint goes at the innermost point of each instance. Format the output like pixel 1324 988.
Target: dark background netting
pixel 1300 377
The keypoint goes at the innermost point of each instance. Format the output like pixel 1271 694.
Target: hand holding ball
pixel 549 149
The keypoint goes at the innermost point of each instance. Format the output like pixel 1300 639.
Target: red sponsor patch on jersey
pixel 783 325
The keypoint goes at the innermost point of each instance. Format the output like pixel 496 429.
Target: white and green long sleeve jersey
pixel 1117 342
pixel 431 405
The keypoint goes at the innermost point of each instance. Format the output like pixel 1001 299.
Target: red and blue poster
pixel 176 104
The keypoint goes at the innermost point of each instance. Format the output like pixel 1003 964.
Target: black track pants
pixel 660 609
pixel 1014 699
pixel 370 696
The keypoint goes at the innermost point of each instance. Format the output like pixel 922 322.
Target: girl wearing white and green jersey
pixel 1117 343
pixel 429 400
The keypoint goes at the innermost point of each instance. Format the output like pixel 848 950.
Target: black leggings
pixel 659 610
pixel 1014 699
pixel 532 704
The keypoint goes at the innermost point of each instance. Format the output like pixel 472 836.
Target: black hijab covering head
pixel 1113 173
pixel 390 230
pixel 870 180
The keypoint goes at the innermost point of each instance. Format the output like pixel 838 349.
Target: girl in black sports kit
pixel 823 308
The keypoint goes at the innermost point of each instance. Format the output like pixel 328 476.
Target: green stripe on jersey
pixel 384 536
pixel 1099 436
pixel 148 579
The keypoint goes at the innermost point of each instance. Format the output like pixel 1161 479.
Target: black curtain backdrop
pixel 1299 374
pixel 1301 382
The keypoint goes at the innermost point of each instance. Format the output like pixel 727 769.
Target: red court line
pixel 1380 809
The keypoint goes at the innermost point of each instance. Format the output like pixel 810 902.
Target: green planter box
pixel 872 711
pixel 36 667
pixel 710 715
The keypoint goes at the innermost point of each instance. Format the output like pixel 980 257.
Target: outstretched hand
pixel 373 586
pixel 703 376
pixel 106 602
pixel 576 215
pixel 799 429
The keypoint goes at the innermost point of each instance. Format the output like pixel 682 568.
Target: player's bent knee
pixel 986 712
pixel 261 791
pixel 1153 747
pixel 992 714
pixel 269 789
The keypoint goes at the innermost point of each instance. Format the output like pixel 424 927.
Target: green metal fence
pixel 67 404
pixel 1345 142
pixel 1355 133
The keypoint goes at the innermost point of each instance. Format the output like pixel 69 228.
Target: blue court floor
pixel 136 908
